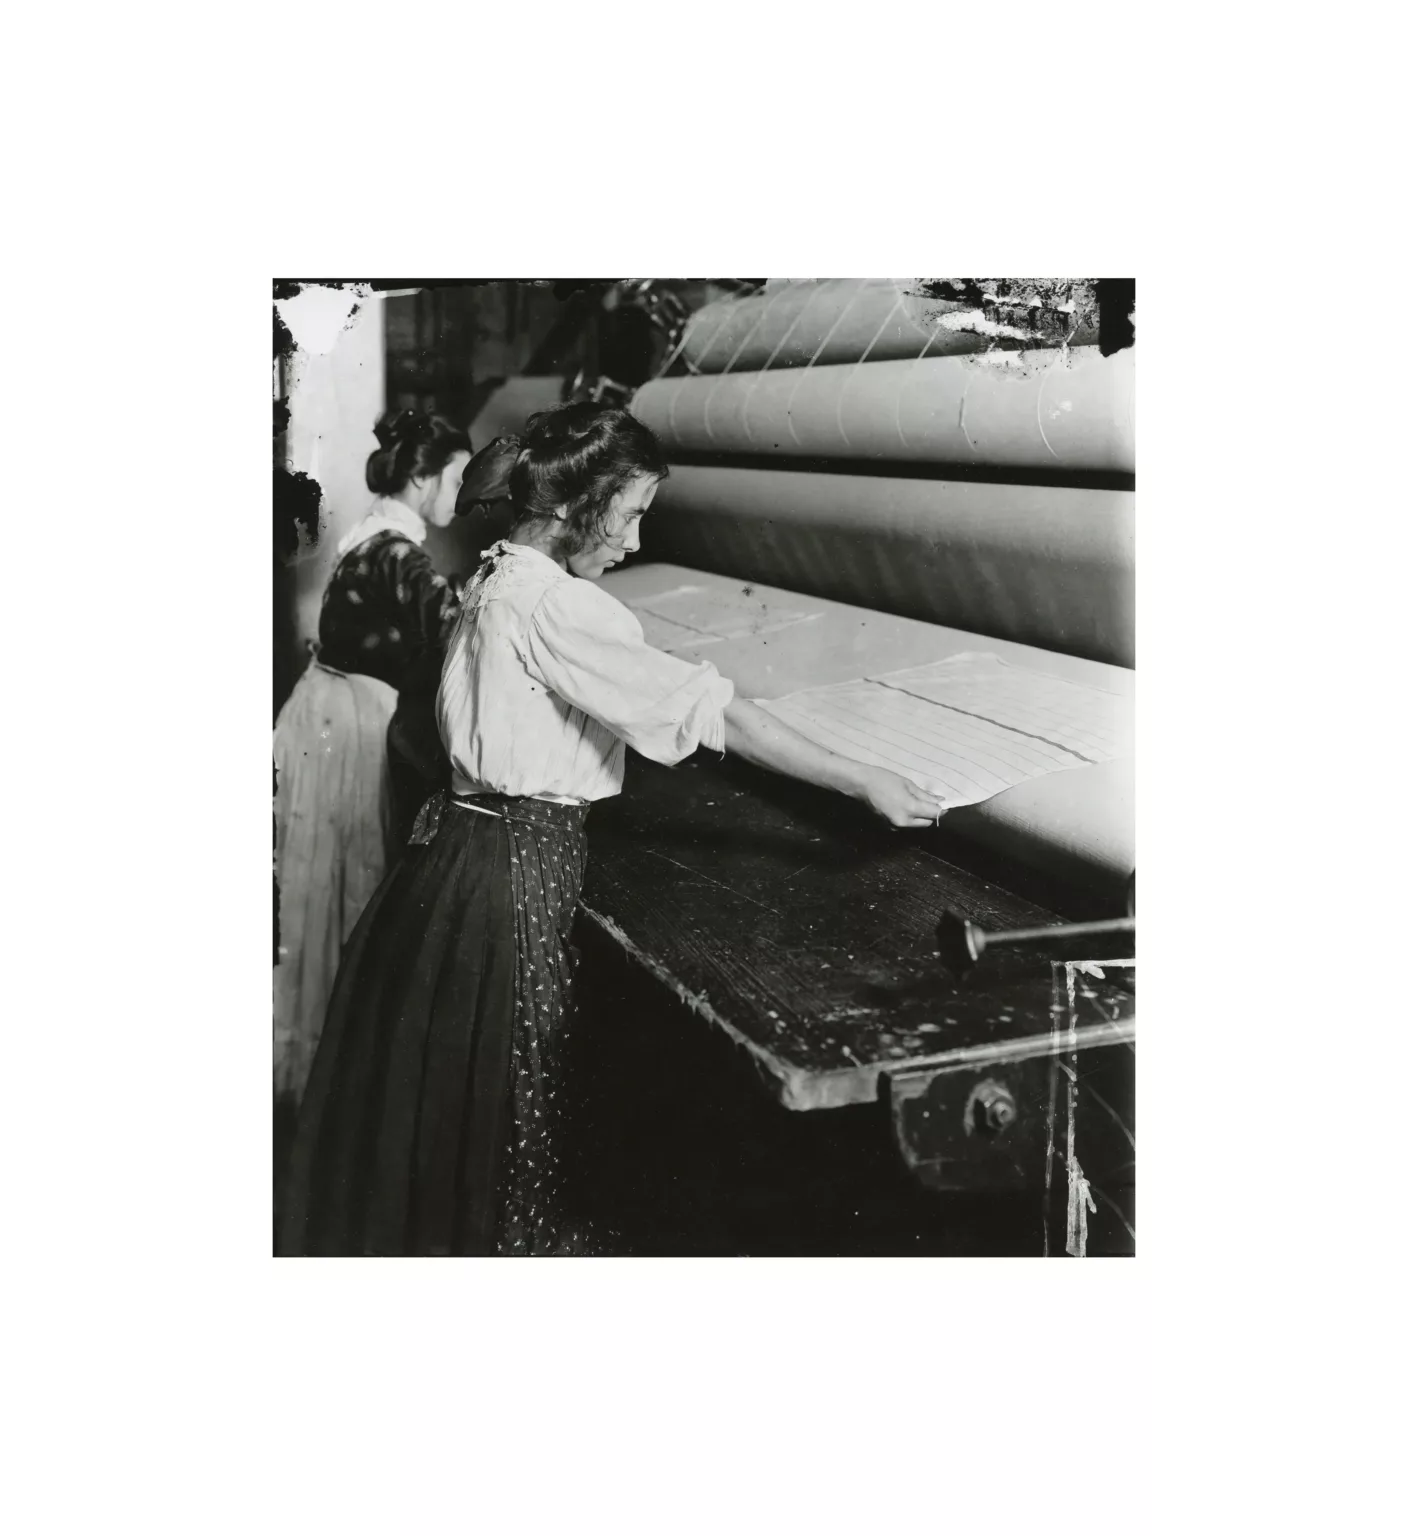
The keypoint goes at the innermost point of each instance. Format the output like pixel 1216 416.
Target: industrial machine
pixel 890 504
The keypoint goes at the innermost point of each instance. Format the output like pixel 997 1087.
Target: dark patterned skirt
pixel 434 1120
pixel 416 760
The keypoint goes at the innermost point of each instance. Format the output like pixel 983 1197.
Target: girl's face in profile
pixel 622 532
pixel 439 507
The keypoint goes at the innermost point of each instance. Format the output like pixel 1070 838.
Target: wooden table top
pixel 803 928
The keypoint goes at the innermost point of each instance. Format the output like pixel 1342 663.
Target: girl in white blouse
pixel 432 1120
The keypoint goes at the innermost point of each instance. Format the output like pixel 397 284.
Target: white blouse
pixel 547 679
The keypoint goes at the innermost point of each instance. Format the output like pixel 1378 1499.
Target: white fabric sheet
pixel 965 728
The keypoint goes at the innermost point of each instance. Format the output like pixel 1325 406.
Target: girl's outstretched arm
pixel 761 738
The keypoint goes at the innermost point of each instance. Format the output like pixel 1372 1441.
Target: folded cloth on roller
pixel 693 614
pixel 965 728
pixel 842 320
pixel 1049 566
pixel 1069 410
pixel 1077 826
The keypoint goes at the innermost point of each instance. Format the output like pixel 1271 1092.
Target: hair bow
pixel 487 475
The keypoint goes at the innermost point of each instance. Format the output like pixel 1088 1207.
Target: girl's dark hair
pixel 414 446
pixel 575 456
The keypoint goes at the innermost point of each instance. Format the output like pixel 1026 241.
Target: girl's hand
pixel 900 801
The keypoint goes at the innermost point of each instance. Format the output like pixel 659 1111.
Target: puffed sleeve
pixel 427 602
pixel 590 650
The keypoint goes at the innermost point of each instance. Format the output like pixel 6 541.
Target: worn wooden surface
pixel 802 929
pixel 677 1152
pixel 1064 1118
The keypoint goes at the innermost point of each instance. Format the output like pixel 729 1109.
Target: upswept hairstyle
pixel 577 456
pixel 414 446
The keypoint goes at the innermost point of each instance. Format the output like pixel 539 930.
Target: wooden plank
pixel 784 919
pixel 950 1142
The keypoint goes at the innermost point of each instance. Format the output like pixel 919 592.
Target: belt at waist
pixel 523 808
pixel 462 788
pixel 513 808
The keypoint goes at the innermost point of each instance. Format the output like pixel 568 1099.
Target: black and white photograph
pixel 672 800
pixel 703 748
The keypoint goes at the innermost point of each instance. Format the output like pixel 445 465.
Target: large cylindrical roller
pixel 842 320
pixel 1058 410
pixel 1048 566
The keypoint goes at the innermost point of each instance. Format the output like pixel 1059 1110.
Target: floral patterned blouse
pixel 385 606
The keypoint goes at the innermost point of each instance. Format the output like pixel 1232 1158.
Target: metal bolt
pixel 998 1107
